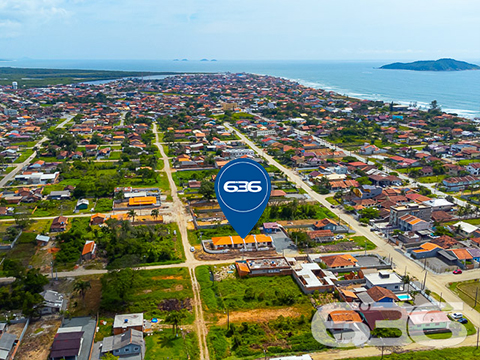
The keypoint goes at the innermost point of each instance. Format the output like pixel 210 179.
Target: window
pixel 127 349
pixel 136 348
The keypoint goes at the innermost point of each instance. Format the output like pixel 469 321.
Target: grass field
pixel 331 200
pixel 103 205
pixel 466 290
pixel 157 285
pixel 165 345
pixel 249 293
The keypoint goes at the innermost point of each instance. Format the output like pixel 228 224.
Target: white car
pixel 457 315
pixel 192 249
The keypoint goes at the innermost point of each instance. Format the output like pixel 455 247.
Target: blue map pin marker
pixel 243 189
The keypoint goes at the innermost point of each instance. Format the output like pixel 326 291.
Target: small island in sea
pixel 432 65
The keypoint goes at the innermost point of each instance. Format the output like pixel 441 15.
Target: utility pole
pixel 425 280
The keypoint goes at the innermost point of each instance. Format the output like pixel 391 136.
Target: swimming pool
pixel 404 297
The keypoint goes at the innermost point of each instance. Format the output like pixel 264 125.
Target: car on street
pixel 192 249
pixel 458 271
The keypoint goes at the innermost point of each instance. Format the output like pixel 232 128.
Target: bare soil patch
pixel 38 339
pixel 258 315
pixel 175 305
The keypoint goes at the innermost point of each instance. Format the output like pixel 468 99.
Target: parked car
pixel 458 271
pixel 463 321
pixel 192 249
pixel 332 206
pixel 457 316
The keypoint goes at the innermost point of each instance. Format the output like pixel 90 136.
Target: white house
pixel 386 279
pixel 439 204
pixel 473 168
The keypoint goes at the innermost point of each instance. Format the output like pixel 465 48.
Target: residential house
pixel 428 321
pixel 381 295
pixel 463 228
pixel 422 212
pixel 42 240
pixel 66 345
pixel 426 250
pixel 251 242
pixel 386 279
pixel 59 224
pixel 129 345
pixel 310 277
pixel 412 223
pixel 7 345
pixel 321 236
pixel 326 224
pixel 339 261
pixel 97 219
pixel 89 249
pixel 124 322
pixel 473 169
pixel 82 204
pixel 439 204
pixel 59 195
pixel 54 302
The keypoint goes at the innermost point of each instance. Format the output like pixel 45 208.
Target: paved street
pixel 20 166
pixel 436 283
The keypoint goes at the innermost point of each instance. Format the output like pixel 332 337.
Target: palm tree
pixel 132 214
pixel 175 318
pixel 81 287
pixel 155 213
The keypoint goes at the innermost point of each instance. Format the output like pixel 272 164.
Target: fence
pixel 12 244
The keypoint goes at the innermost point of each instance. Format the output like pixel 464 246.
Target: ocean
pixel 456 92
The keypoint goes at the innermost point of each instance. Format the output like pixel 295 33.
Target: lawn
pixel 103 205
pixel 165 345
pixel 360 241
pixel 332 201
pixel 466 290
pixel 25 154
pixel 431 179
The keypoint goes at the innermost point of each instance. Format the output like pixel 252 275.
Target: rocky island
pixel 432 65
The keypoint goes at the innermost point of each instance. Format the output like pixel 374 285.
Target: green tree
pixel 207 189
pixel 369 213
pixel 132 214
pixel 81 287
pixel 155 213
pixel 175 318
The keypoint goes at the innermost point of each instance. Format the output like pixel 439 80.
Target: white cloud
pixel 9 29
pixel 18 15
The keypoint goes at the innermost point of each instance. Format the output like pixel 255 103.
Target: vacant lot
pixel 164 345
pixel 153 292
pixel 466 290
pixel 38 339
pixel 239 294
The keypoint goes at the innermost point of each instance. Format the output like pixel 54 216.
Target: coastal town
pixel 113 245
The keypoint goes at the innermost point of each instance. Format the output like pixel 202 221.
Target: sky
pixel 240 29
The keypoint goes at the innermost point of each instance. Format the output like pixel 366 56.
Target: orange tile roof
pixel 146 200
pixel 88 248
pixel 229 240
pixel 462 254
pixel 341 316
